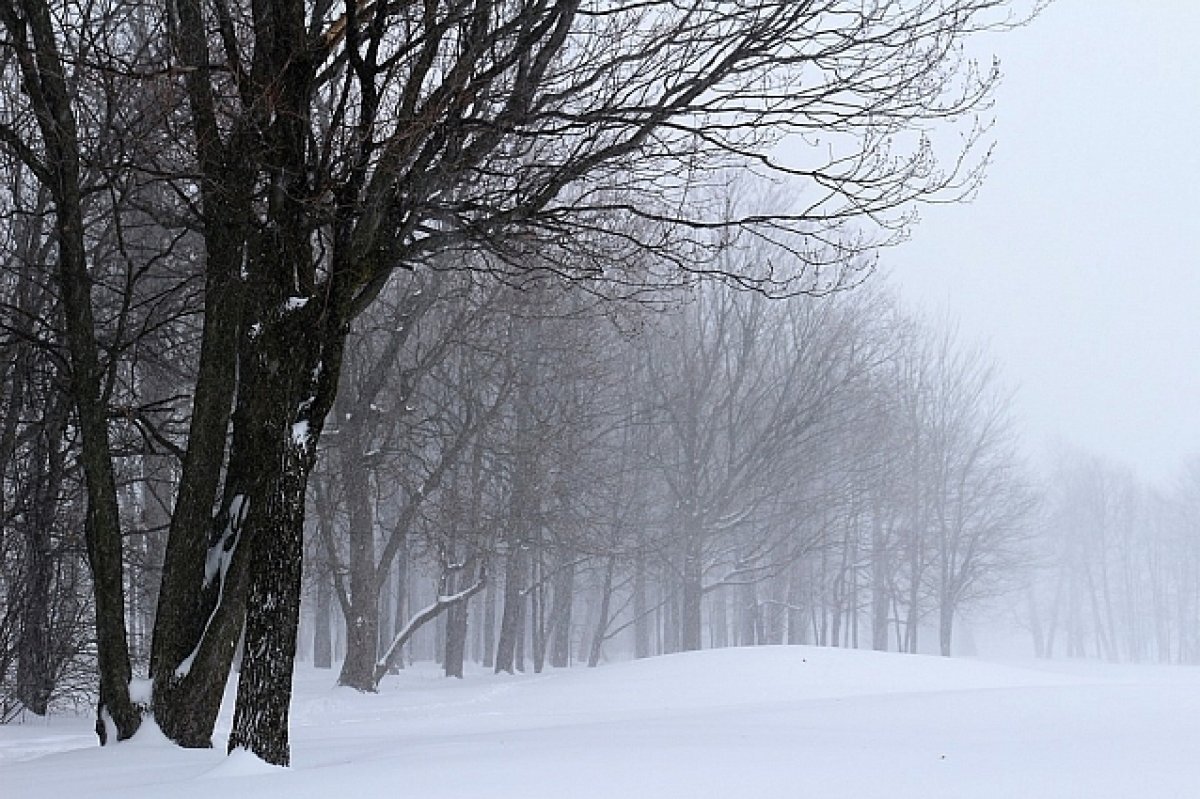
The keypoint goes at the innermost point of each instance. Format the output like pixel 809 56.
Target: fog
pixel 480 398
pixel 1077 262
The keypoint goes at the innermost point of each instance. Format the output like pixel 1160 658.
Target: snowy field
pixel 757 722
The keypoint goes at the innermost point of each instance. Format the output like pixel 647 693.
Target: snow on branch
pixel 420 619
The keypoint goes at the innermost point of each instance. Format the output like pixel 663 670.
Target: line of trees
pixel 204 201
pixel 729 470
pixel 1119 565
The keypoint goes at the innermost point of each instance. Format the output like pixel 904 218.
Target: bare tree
pixel 327 146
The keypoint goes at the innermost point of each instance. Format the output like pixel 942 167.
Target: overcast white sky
pixel 1079 262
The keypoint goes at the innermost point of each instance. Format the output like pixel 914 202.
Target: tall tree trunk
pixel 560 616
pixel 748 614
pixel 719 619
pixel 946 626
pixel 601 632
pixel 456 622
pixel 879 584
pixel 32 35
pixel 322 626
pixel 522 634
pixel 641 615
pixel 288 379
pixel 510 616
pixel 362 623
pixel 400 614
pixel 456 640
pixel 260 722
pixel 489 625
pixel 797 629
pixel 537 610
pixel 35 656
pixel 691 622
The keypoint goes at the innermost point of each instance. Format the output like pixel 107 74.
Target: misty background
pixel 1078 260
pixel 739 333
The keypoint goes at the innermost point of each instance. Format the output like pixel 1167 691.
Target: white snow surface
pixel 752 722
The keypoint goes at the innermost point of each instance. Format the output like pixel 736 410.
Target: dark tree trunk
pixel 879 585
pixel 601 631
pixel 456 640
pixel 35 656
pixel 797 629
pixel 322 622
pixel 691 622
pixel 400 614
pixel 672 612
pixel 946 626
pixel 260 722
pixel 913 617
pixel 287 382
pixel 456 622
pixel 718 635
pixel 641 615
pixel 522 634
pixel 560 616
pixel 748 614
pixel 510 618
pixel 33 36
pixel 489 626
pixel 537 612
pixel 362 622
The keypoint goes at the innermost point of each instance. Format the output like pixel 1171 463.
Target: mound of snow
pixel 241 763
pixel 766 721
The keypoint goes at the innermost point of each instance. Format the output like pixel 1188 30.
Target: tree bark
pixel 44 80
pixel 322 623
pixel 879 585
pixel 691 619
pixel 35 676
pixel 560 616
pixel 510 618
pixel 362 623
pixel 946 627
pixel 260 722
pixel 456 625
pixel 489 626
pixel 601 631
pixel 641 623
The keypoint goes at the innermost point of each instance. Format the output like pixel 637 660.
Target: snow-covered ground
pixel 755 722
